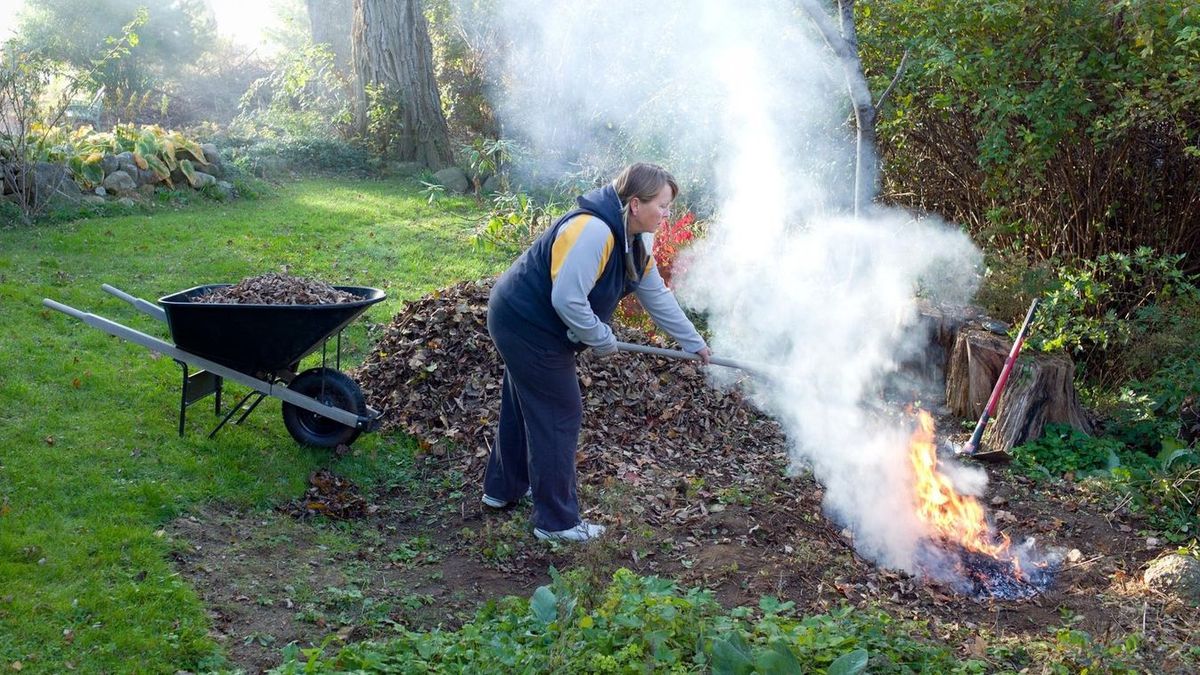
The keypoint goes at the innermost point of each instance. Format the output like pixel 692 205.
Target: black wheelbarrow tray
pixel 259 346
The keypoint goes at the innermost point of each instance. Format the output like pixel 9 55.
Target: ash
pixel 983 577
pixel 987 578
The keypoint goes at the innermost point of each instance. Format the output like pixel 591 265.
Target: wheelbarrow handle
pixel 752 368
pixel 144 306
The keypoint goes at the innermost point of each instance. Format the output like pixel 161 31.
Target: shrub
pixel 1165 493
pixel 515 220
pixel 304 97
pixel 302 155
pixel 30 115
pixel 670 240
pixel 1094 308
pixel 1062 130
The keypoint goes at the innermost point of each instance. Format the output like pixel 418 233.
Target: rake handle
pixel 972 445
pixel 752 368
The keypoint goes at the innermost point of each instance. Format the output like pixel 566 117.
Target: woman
pixel 554 302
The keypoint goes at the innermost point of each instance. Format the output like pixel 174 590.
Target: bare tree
pixel 394 58
pixel 844 44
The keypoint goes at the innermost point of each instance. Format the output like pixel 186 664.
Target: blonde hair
pixel 644 181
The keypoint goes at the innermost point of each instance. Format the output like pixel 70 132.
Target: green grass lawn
pixel 91 466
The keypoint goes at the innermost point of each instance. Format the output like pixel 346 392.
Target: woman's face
pixel 648 216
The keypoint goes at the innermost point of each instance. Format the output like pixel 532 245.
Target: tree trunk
pixel 1040 389
pixel 391 49
pixel 844 45
pixel 330 21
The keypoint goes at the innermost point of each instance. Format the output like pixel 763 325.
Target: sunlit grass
pixel 91 466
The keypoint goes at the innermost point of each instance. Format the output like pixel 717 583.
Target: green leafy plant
pixel 515 220
pixel 487 157
pixel 1063 449
pixel 385 124
pixel 1167 495
pixel 1007 114
pixel 305 96
pixel 640 624
pixel 1093 307
pixel 30 115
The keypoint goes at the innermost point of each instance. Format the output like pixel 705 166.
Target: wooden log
pixel 1040 390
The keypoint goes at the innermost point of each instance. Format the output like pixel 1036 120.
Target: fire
pixel 952 517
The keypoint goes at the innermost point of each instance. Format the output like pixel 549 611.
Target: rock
pixel 120 182
pixel 101 191
pixel 215 166
pixel 125 163
pixel 110 163
pixel 146 177
pixel 53 184
pixel 94 200
pixel 204 180
pixel 126 202
pixel 210 153
pixel 147 190
pixel 226 189
pixel 453 179
pixel 1176 575
pixel 490 186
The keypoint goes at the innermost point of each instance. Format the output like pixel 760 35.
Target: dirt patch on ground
pixel 428 553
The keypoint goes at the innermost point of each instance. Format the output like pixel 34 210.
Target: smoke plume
pixel 744 102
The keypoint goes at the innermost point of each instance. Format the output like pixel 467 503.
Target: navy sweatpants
pixel 540 414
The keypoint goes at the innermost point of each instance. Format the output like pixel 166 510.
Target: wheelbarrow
pixel 259 346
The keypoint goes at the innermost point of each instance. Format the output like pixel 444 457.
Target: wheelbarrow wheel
pixel 333 388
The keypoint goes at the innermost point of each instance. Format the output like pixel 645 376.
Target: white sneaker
pixel 582 532
pixel 494 503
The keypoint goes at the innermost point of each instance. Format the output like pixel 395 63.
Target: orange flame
pixel 952 517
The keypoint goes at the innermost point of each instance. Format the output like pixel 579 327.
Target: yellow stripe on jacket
pixel 565 240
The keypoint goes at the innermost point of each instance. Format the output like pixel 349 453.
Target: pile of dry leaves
pixel 331 496
pixel 435 374
pixel 277 289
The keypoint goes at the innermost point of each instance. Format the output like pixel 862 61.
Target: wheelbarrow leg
pixel 234 410
pixel 195 387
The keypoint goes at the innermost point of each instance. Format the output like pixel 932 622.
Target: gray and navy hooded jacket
pixel 567 285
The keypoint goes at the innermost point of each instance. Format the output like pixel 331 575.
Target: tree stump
pixel 1040 389
pixel 922 370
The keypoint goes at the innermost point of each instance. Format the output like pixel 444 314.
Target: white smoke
pixel 744 98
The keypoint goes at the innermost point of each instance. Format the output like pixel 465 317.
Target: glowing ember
pixel 980 562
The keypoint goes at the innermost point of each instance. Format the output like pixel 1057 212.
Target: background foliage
pixel 1063 130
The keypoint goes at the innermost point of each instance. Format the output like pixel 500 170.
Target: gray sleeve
pixel 660 303
pixel 575 265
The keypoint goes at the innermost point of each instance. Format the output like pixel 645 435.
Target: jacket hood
pixel 604 203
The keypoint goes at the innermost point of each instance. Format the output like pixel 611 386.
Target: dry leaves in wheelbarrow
pixel 277 289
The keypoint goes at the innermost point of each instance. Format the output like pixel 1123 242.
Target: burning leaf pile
pixel 964 551
pixel 648 422
pixel 277 289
